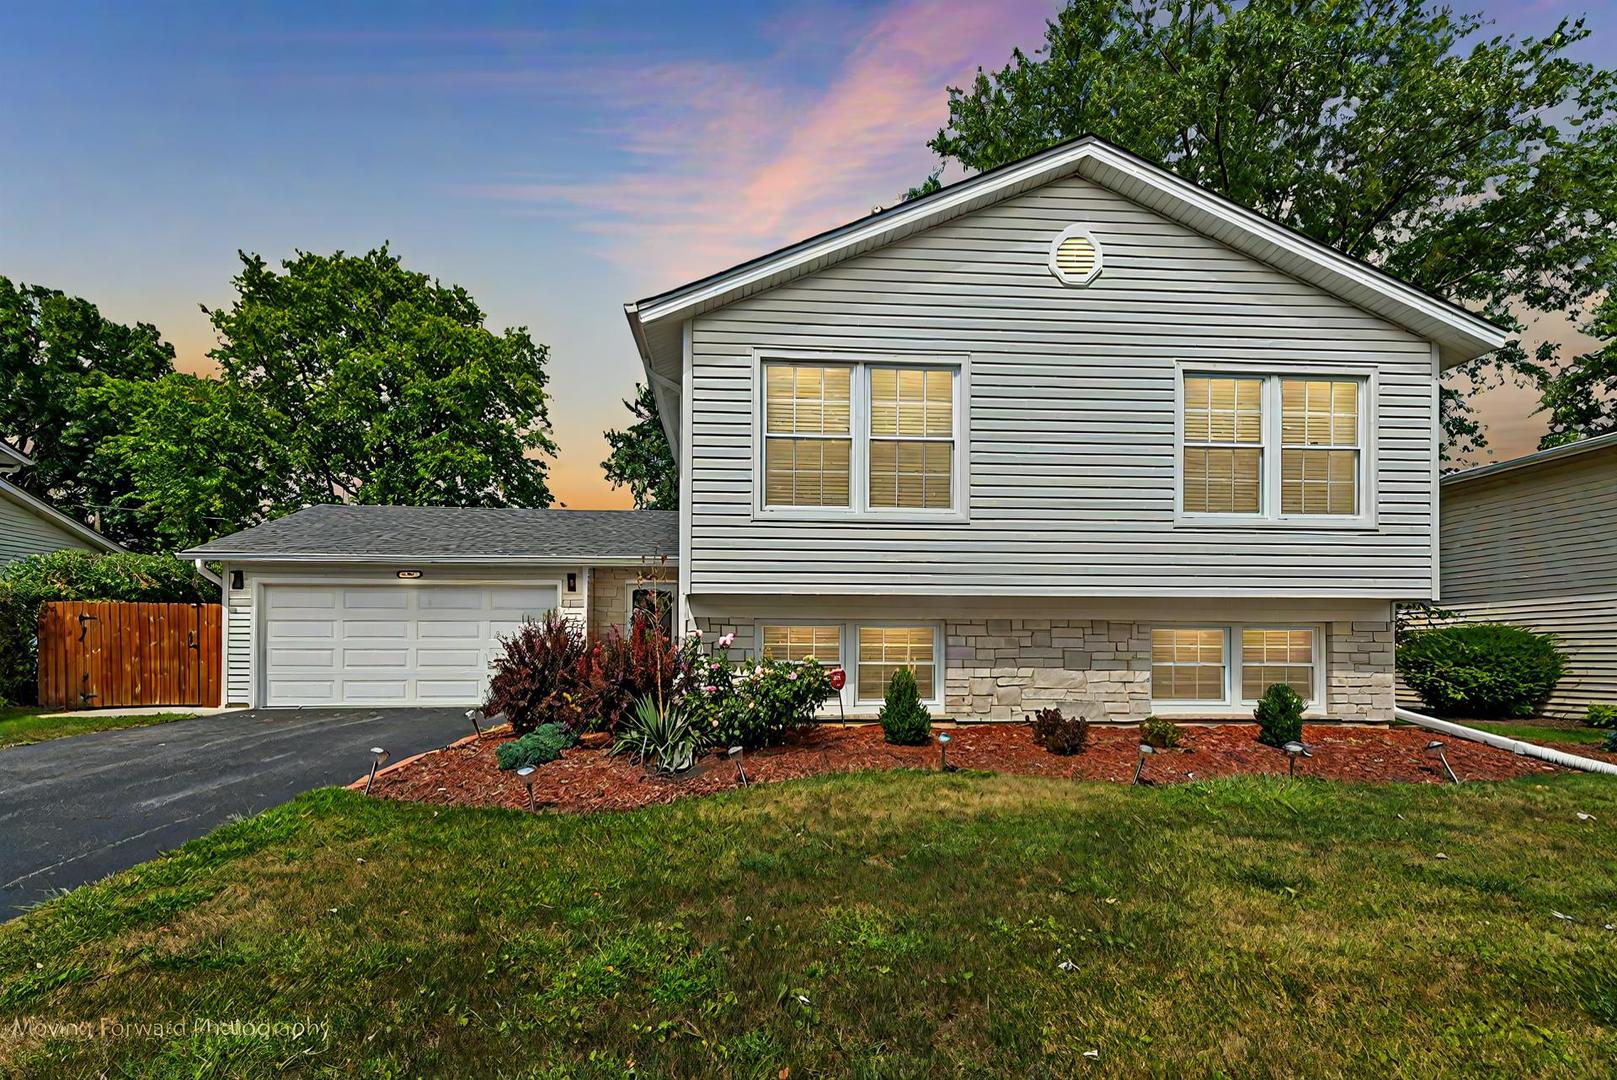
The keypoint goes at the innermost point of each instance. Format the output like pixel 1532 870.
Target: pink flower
pixel 710 689
pixel 697 634
pixel 726 641
pixel 792 676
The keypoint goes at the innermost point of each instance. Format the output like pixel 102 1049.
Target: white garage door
pixel 388 644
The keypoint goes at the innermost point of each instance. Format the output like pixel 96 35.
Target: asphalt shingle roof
pixel 445 532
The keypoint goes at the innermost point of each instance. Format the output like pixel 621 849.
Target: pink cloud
pixel 724 161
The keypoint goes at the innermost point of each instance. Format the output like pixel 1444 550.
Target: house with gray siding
pixel 1533 542
pixel 29 526
pixel 1070 432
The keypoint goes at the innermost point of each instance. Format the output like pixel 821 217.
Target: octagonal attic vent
pixel 1075 257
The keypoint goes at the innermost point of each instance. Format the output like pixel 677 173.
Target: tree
pixel 386 384
pixel 641 456
pixel 1480 169
pixel 53 349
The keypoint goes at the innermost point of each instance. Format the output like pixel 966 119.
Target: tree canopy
pixel 1481 168
pixel 641 456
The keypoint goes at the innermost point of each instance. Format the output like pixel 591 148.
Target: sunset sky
pixel 556 160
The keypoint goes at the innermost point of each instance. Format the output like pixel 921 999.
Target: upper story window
pixel 1272 447
pixel 866 436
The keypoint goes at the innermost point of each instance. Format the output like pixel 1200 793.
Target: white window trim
pixel 1269 515
pixel 1055 245
pixel 1233 703
pixel 848 649
pixel 859 507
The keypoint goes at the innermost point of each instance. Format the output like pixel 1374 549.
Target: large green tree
pixel 641 456
pixel 385 384
pixel 1481 168
pixel 54 348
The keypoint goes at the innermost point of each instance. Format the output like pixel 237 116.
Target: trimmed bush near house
pixel 623 668
pixel 1601 716
pixel 904 720
pixel 1482 670
pixel 541 745
pixel 543 676
pixel 1279 715
pixel 752 703
pixel 1159 733
pixel 1059 734
pixel 81 575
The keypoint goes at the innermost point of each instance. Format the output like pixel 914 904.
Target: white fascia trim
pixel 427 560
pixel 1484 336
pixel 1541 457
pixel 11 459
pixel 56 517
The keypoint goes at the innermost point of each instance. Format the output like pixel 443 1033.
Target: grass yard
pixel 29 724
pixel 884 924
pixel 1530 732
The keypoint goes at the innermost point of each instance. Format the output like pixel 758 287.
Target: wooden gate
pixel 94 654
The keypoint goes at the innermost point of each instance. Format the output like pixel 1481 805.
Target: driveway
pixel 75 810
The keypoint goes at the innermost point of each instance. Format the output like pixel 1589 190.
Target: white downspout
pixel 1515 746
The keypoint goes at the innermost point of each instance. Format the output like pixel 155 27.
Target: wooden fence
pixel 95 654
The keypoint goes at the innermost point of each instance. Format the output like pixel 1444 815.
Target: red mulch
pixel 587 780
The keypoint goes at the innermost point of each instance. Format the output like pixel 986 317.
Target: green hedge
pixel 1482 670
pixel 80 575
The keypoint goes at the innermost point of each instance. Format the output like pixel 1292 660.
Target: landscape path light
pixel 526 774
pixel 944 739
pixel 476 717
pixel 378 759
pixel 1293 750
pixel 741 768
pixel 1437 745
pixel 1145 750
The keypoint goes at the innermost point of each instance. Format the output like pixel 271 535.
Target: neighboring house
pixel 31 527
pixel 1073 430
pixel 395 605
pixel 1533 542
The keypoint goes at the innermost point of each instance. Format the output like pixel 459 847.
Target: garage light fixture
pixel 572 582
pixel 526 773
pixel 236 581
pixel 1139 767
pixel 378 759
pixel 1438 746
pixel 409 575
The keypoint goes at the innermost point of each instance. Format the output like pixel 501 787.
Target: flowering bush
pixel 753 703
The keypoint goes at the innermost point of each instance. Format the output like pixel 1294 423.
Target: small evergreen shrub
pixel 1601 716
pixel 904 720
pixel 1059 734
pixel 541 745
pixel 1610 745
pixel 1159 733
pixel 1280 716
pixel 1482 670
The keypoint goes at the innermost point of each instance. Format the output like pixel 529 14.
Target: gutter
pixel 1501 742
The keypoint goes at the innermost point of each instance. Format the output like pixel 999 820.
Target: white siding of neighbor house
pixel 1537 547
pixel 23 533
pixel 1071 414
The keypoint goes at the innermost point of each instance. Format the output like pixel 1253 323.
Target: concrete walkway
pixel 77 809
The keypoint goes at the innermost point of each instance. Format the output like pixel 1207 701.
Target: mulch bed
pixel 586 780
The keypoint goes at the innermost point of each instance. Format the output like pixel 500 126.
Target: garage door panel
pixel 388 644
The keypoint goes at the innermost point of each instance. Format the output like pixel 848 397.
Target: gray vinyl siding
pixel 24 533
pixel 1071 416
pixel 1537 547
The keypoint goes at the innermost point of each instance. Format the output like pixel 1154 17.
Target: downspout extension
pixel 1501 742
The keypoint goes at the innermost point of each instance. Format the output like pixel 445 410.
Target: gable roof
pixel 339 532
pixel 1528 461
pixel 10 458
pixel 16 495
pixel 656 321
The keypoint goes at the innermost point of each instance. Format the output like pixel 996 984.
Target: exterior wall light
pixel 409 575
pixel 1293 751
pixel 526 773
pixel 1441 756
pixel 1139 767
pixel 378 759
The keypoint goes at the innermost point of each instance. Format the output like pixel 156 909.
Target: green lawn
pixel 1530 732
pixel 896 924
pixel 28 724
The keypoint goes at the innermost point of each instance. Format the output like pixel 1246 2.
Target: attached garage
pixel 380 606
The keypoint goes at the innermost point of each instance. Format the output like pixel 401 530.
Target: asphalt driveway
pixel 75 810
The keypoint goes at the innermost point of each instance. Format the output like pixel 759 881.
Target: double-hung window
pixel 864 436
pixel 1229 667
pixel 1272 447
pixel 821 643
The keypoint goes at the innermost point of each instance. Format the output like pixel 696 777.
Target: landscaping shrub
pixel 1280 716
pixel 904 720
pixel 753 703
pixel 1610 745
pixel 1481 669
pixel 625 667
pixel 662 736
pixel 544 676
pixel 541 745
pixel 80 575
pixel 1159 733
pixel 1601 716
pixel 1059 734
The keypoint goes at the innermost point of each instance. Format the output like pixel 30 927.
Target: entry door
pixel 386 644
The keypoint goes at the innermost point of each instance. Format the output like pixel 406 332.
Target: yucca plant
pixel 664 738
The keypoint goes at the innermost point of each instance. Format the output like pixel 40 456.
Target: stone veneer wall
pixel 609 597
pixel 1004 668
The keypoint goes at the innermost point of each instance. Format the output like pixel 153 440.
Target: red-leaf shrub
pixel 545 676
pixel 640 664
